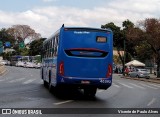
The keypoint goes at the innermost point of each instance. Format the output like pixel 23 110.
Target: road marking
pixel 155 85
pixel 16 80
pixel 99 91
pixel 151 102
pixel 116 85
pixel 41 81
pixel 137 86
pixel 148 86
pixel 59 103
pixel 126 85
pixel 28 81
pixel 28 91
pixel 2 80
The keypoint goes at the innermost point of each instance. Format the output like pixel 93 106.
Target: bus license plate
pixel 85 82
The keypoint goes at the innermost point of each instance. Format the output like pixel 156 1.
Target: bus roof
pixel 87 28
pixel 79 29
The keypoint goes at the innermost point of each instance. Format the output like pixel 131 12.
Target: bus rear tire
pixel 45 83
pixel 90 92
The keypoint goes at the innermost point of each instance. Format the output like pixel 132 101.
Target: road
pixel 23 88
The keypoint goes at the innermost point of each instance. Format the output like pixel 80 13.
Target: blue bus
pixel 78 57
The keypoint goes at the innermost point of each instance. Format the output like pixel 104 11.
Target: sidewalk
pixel 152 78
pixel 2 69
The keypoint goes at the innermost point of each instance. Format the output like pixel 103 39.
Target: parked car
pixel 37 65
pixel 139 73
pixel 29 65
pixel 20 64
pixel 3 62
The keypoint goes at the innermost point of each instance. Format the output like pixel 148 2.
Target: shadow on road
pixel 70 94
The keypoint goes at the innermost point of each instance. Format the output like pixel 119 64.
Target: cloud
pixel 46 20
pixel 140 6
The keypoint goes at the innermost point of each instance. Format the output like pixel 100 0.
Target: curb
pixel 144 79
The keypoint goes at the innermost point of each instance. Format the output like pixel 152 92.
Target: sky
pixel 47 16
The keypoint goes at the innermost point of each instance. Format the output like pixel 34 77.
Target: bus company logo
pixel 81 32
pixel 86 53
pixel 6 111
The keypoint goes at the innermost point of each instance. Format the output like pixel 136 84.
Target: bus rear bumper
pixel 101 83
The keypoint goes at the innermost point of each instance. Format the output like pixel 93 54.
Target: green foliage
pixel 1 44
pixel 24 51
pixel 38 58
pixel 117 34
pixel 36 47
pixel 127 24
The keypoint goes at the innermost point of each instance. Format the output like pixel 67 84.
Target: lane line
pixel 2 80
pixel 59 103
pixel 116 85
pixel 126 85
pixel 151 102
pixel 148 86
pixel 16 80
pixel 99 91
pixel 28 81
pixel 137 86
pixel 155 85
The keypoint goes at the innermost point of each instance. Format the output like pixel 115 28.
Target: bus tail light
pixel 109 73
pixel 61 68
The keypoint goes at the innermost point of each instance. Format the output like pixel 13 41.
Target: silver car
pixel 139 73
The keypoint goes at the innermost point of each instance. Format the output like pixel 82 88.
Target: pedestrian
pixel 126 71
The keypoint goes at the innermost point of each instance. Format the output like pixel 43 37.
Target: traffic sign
pixel 7 44
pixel 21 45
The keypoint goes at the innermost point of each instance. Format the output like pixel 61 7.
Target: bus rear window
pixel 86 52
pixel 101 39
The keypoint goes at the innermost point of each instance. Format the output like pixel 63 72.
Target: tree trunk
pixel 158 66
pixel 122 59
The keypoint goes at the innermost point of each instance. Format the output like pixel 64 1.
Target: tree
pixel 117 37
pixel 151 29
pixel 4 36
pixel 127 24
pixel 118 40
pixel 24 51
pixel 143 51
pixel 23 32
pixel 132 36
pixel 36 47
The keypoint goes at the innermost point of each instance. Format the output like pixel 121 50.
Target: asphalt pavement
pixel 23 88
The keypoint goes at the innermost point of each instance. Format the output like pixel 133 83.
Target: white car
pixel 29 65
pixel 20 64
pixel 139 73
pixel 37 65
pixel 3 62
